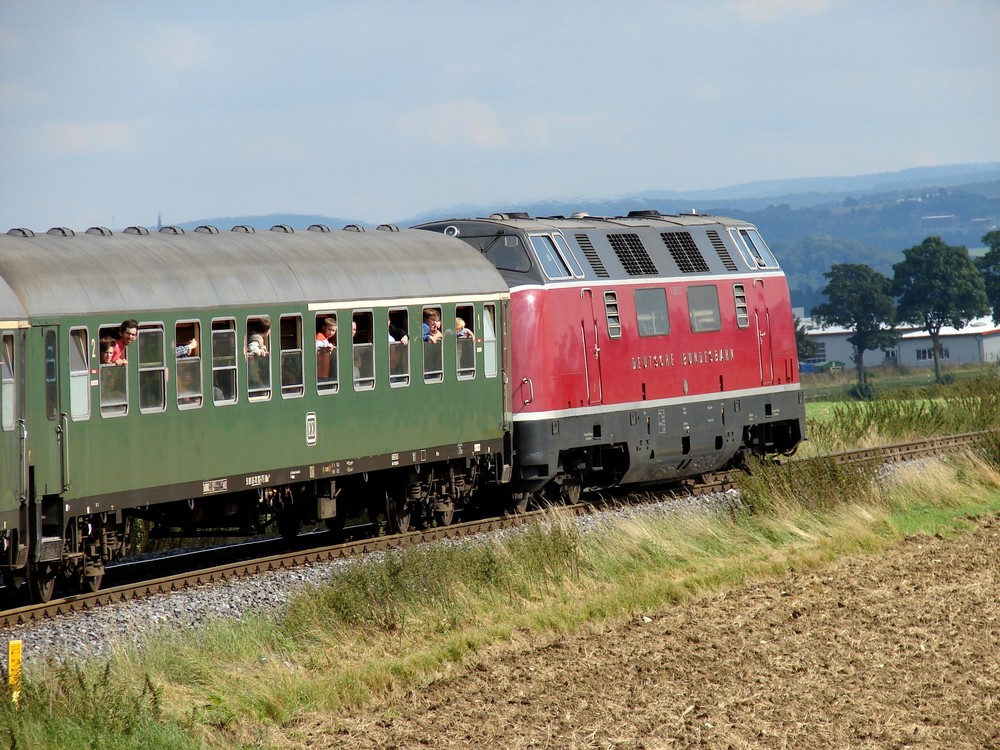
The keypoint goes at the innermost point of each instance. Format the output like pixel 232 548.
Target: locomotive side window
pixel 258 354
pixel 752 245
pixel 432 345
pixel 465 342
pixel 152 370
pixel 291 356
pixel 567 254
pixel 399 348
pixel 224 361
pixel 489 336
pixel 508 254
pixel 187 352
pixel 79 374
pixel 703 309
pixel 326 353
pixel 612 315
pixel 651 312
pixel 742 314
pixel 364 350
pixel 7 394
pixel 551 260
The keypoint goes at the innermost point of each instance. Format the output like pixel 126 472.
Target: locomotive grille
pixel 633 256
pixel 591 254
pixel 720 248
pixel 685 253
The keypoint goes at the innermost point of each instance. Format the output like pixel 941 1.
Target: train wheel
pixel 288 523
pixel 41 582
pixel 398 512
pixel 570 491
pixel 518 503
pixel 445 515
pixel 92 583
pixel 13 587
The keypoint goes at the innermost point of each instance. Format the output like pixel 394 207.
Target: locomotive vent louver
pixel 62 232
pixel 100 231
pixel 646 212
pixel 136 230
pixel 510 215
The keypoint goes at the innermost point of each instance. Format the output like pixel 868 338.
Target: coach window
pixel 326 352
pixel 703 309
pixel 7 394
pixel 465 342
pixel 362 333
pixel 551 260
pixel 224 361
pixel 152 370
pixel 258 355
pixel 291 356
pixel 432 345
pixel 79 374
pixel 651 312
pixel 187 352
pixel 399 348
pixel 51 384
pixel 489 337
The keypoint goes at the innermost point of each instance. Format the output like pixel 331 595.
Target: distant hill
pixel 810 223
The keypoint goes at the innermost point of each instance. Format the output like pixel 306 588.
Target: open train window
pixel 224 361
pixel 152 369
pixel 326 352
pixel 465 342
pixel 432 345
pixel 291 356
pixel 489 338
pixel 651 314
pixel 362 332
pixel 7 392
pixel 703 308
pixel 79 374
pixel 399 347
pixel 258 356
pixel 187 353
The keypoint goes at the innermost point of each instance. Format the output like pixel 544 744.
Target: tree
pixel 860 298
pixel 937 285
pixel 989 266
pixel 806 347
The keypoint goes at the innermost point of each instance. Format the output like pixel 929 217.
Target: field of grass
pixel 395 623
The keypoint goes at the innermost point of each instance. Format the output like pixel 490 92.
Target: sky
pixel 113 113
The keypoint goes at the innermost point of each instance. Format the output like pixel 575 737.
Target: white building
pixel 979 341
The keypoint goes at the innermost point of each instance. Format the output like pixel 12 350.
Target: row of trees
pixel 935 285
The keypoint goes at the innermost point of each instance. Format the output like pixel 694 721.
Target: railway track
pixel 312 554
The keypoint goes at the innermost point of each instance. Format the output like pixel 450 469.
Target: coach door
pixel 762 322
pixel 13 434
pixel 590 337
pixel 49 438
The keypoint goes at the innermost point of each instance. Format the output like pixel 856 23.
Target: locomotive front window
pixel 187 352
pixel 7 394
pixel 508 254
pixel 651 314
pixel 224 361
pixel 79 374
pixel 291 356
pixel 152 370
pixel 549 257
pixel 703 309
pixel 326 353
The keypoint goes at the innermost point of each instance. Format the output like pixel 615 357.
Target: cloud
pixel 461 122
pixel 770 11
pixel 76 138
pixel 175 46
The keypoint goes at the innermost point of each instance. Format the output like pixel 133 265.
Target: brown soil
pixel 900 650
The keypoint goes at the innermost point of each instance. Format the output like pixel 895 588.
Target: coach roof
pixel 108 272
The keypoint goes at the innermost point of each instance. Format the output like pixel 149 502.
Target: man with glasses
pixel 127 333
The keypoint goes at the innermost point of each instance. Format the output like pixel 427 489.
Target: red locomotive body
pixel 644 348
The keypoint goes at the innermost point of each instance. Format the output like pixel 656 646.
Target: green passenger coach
pixel 276 376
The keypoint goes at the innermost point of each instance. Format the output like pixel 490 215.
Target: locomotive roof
pixel 584 221
pixel 103 271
